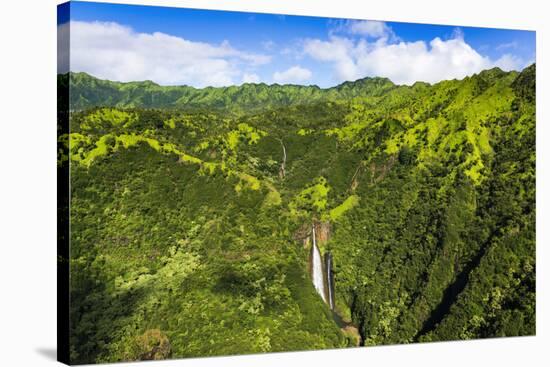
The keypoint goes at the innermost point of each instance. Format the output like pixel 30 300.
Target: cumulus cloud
pixel 509 62
pixel 404 62
pixel 369 28
pixel 251 78
pixel 353 49
pixel 116 52
pixel 295 74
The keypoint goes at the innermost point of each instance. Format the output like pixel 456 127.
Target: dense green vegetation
pixel 188 223
pixel 87 91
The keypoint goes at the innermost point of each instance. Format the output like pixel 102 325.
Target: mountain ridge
pixel 88 91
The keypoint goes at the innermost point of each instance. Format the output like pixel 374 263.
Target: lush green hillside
pixel 87 91
pixel 189 229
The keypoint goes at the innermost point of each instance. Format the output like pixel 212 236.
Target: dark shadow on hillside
pixel 451 293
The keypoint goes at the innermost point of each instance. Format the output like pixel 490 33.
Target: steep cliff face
pixel 323 232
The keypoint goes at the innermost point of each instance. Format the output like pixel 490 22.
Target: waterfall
pixel 330 280
pixel 317 269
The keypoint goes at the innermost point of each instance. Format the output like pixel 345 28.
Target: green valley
pixel 192 210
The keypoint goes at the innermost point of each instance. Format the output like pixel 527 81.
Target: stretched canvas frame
pixel 373 185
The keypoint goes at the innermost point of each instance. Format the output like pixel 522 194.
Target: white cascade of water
pixel 329 282
pixel 317 269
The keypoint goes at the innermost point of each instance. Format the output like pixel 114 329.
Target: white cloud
pixel 295 74
pixel 507 45
pixel 458 33
pixel 370 28
pixel 336 49
pixel 116 52
pixel 353 49
pixel 251 78
pixel 373 30
pixel 509 62
pixel 404 62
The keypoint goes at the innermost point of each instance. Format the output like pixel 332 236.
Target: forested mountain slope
pixel 87 91
pixel 190 222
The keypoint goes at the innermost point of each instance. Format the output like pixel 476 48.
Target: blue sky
pixel 201 47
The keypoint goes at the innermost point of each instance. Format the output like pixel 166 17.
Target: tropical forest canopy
pixel 189 209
